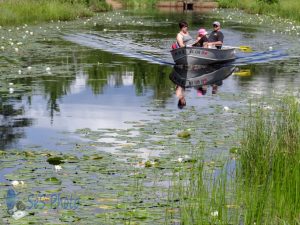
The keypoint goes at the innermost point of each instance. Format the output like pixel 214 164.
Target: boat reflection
pixel 199 77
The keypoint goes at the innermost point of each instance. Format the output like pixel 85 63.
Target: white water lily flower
pixel 10 84
pixel 20 71
pixel 19 214
pixel 48 69
pixel 267 107
pixel 11 90
pixel 57 168
pixel 31 33
pixel 180 159
pixel 2 47
pixel 214 213
pixel 29 68
pixel 270 48
pixel 15 183
pixel 226 108
pixel 16 49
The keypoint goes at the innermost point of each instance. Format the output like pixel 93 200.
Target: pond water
pixel 112 70
pixel 103 71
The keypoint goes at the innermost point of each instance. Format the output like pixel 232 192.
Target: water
pixel 111 68
pixel 113 74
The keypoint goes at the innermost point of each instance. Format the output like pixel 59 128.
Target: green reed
pixel 269 164
pixel 14 12
pixel 265 183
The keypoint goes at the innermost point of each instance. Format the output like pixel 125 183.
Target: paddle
pixel 243 48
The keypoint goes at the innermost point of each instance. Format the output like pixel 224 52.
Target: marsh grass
pixel 270 164
pixel 284 8
pixel 13 12
pixel 264 188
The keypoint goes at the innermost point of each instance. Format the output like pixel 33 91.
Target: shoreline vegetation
pixel 284 8
pixel 288 9
pixel 17 12
pixel 259 184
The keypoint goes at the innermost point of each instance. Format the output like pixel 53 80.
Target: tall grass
pixel 284 8
pixel 13 12
pixel 140 3
pixel 270 164
pixel 266 186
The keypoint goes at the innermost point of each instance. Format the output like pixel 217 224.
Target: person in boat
pixel 183 38
pixel 216 37
pixel 201 39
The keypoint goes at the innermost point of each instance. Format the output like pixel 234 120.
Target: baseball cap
pixel 202 31
pixel 217 23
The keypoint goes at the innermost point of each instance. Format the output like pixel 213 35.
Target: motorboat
pixel 202 56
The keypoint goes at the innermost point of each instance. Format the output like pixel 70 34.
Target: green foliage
pixel 269 163
pixel 139 3
pixel 29 11
pixel 269 1
pixel 265 186
pixel 284 8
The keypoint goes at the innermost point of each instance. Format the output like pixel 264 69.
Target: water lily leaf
pixel 53 180
pixel 55 160
pixel 184 134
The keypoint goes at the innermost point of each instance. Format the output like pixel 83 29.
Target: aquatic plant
pixel 269 164
pixel 260 186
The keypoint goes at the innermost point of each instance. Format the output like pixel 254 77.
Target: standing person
pixel 201 39
pixel 183 37
pixel 216 37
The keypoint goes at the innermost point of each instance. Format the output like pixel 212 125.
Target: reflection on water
pixel 198 77
pixel 106 69
pixel 101 91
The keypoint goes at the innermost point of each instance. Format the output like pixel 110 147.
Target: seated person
pixel 201 39
pixel 216 36
pixel 183 38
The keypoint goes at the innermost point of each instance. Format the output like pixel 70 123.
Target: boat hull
pixel 202 56
pixel 204 75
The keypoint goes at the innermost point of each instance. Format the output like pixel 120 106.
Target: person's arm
pixel 197 40
pixel 179 39
pixel 205 42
